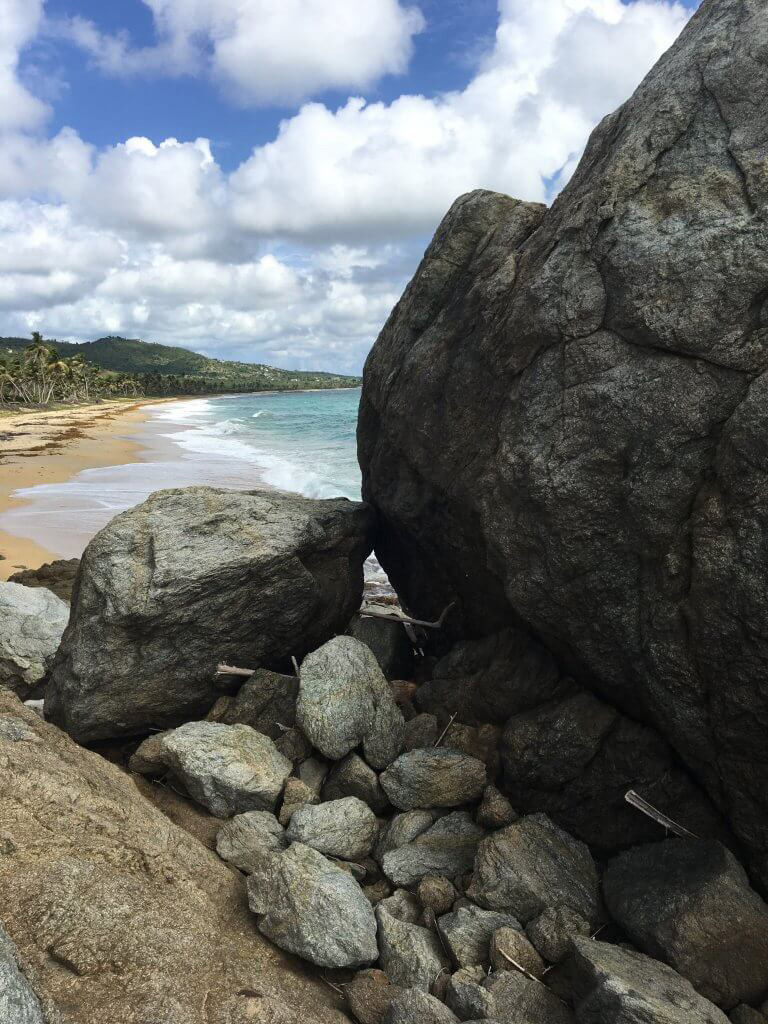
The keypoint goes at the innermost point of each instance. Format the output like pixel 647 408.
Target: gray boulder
pixel 345 701
pixel 353 777
pixel 553 931
pixel 389 643
pixel 521 1000
pixel 18 1003
pixel 615 986
pixel 563 421
pixel 467 997
pixel 248 839
pixel 467 933
pixel 532 865
pixel 191 578
pixel 576 759
pixel 413 1006
pixel 433 777
pixel 510 948
pixel 32 621
pixel 446 848
pixel 410 955
pixel 309 907
pixel 402 829
pixel 343 828
pixel 688 902
pixel 226 768
pixel 266 701
pixel 369 995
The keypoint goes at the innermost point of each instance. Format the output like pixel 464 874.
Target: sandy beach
pixel 41 447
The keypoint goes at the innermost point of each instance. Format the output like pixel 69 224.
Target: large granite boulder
pixel 18 1002
pixel 191 578
pixel 31 625
pixel 688 902
pixel 564 422
pixel 119 915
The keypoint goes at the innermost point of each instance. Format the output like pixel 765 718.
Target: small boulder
pixel 402 829
pixel 226 768
pixel 520 1000
pixel 309 907
pixel 436 893
pixel 343 828
pixel 294 745
pixel 389 643
pixel 531 865
pixel 553 931
pixel 615 986
pixel 447 848
pixel 248 839
pixel 353 777
pixel 295 795
pixel 689 903
pixel 467 933
pixel 18 1003
pixel 510 947
pixel 313 773
pixel 410 955
pixel 420 731
pixel 266 701
pixel 344 701
pixel 414 1006
pixel 32 622
pixel 369 994
pixel 57 576
pixel 495 810
pixel 467 998
pixel 433 777
pixel 480 741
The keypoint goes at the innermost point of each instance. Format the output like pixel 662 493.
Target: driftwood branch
pixel 392 615
pixel 654 813
pixel 232 670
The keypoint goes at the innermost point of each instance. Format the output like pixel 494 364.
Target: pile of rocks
pixel 376 847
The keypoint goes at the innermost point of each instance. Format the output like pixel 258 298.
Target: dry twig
pixel 443 734
pixel 393 615
pixel 635 800
pixel 232 670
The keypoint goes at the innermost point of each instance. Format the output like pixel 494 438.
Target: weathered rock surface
pixel 94 878
pixel 339 828
pixel 495 810
pixel 266 701
pixel 389 643
pixel 369 995
pixel 32 622
pixel 575 760
pixel 467 933
pixel 615 986
pixel 310 907
pixel 420 731
pixel 563 422
pixel 553 931
pixel 403 829
pixel 520 1000
pixel 410 955
pixel 194 577
pixel 466 997
pixel 295 795
pixel 227 768
pixel 532 865
pixel 18 1003
pixel 353 777
pixel 345 701
pixel 688 902
pixel 249 839
pixel 446 848
pixel 510 947
pixel 436 893
pixel 746 1015
pixel 58 577
pixel 433 777
pixel 412 1006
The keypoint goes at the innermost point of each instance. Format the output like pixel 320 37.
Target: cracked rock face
pixel 564 420
pixel 18 1003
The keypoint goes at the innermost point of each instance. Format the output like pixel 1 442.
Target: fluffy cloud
pixel 298 255
pixel 18 107
pixel 263 51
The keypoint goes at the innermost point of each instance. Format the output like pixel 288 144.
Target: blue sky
pixel 257 180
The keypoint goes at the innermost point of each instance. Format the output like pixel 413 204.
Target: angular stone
pixel 467 933
pixel 344 701
pixel 57 576
pixel 313 773
pixel 553 931
pixel 389 643
pixel 413 1006
pixel 309 907
pixel 353 777
pixel 467 998
pixel 433 777
pixel 295 795
pixel 369 995
pixel 226 768
pixel 421 731
pixel 339 828
pixel 294 745
pixel 32 622
pixel 447 848
pixel 410 955
pixel 495 810
pixel 615 986
pixel 403 829
pixel 479 741
pixel 532 865
pixel 510 947
pixel 689 903
pixel 193 577
pixel 18 1003
pixel 250 838
pixel 520 1000
pixel 266 701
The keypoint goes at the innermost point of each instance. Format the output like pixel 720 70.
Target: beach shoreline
pixel 53 446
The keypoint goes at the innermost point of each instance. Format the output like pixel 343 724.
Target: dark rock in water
pixel 614 986
pixel 389 643
pixel 345 701
pixel 688 902
pixel 532 865
pixel 58 576
pixel 433 777
pixel 493 678
pixel 576 759
pixel 31 625
pixel 18 1003
pixel 266 701
pixel 412 1006
pixel 564 420
pixel 195 577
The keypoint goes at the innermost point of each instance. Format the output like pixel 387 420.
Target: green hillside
pixel 164 369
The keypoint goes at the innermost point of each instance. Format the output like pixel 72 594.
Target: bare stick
pixel 442 735
pixel 637 801
pixel 519 967
pixel 231 670
pixel 372 612
pixel 295 664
